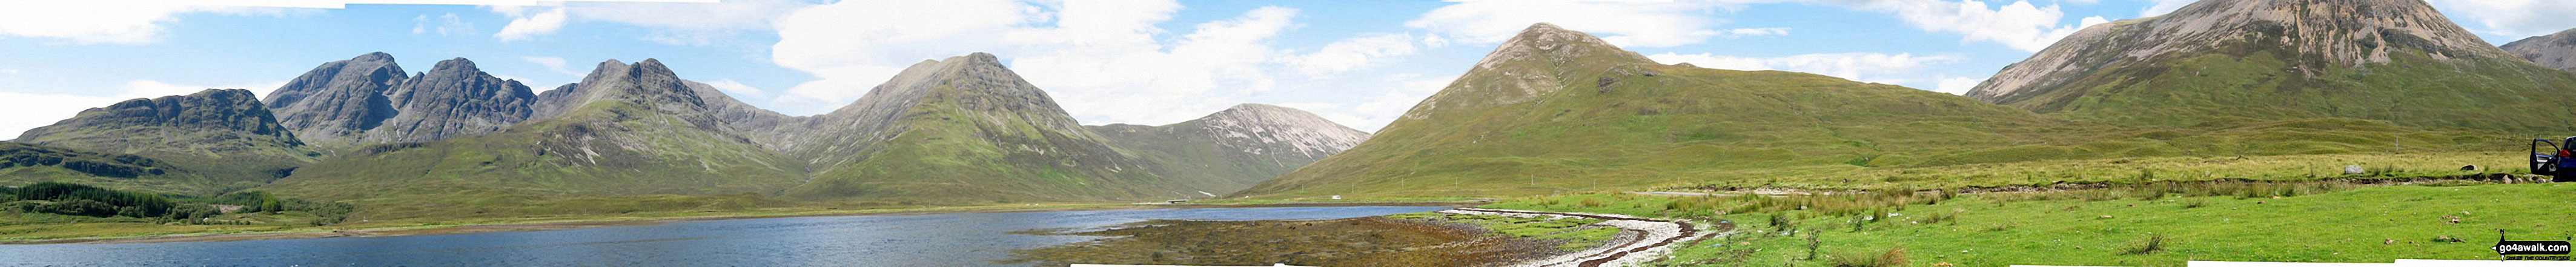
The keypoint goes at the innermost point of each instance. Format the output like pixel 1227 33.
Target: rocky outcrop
pixel 2556 50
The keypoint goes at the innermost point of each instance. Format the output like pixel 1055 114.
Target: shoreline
pixel 389 231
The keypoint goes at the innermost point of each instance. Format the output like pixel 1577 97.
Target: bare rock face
pixel 338 100
pixel 367 100
pixel 452 100
pixel 2556 50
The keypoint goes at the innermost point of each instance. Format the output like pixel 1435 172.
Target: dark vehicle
pixel 2556 164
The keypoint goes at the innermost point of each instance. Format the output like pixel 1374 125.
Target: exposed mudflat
pixel 1366 241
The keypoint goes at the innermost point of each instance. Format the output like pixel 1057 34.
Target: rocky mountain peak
pixel 338 99
pixel 1261 126
pixel 2556 50
pixel 1549 42
pixel 455 65
pixel 2342 33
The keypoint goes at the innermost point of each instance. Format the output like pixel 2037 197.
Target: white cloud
pixel 1623 23
pixel 1731 33
pixel 555 64
pixel 2168 6
pixel 1866 67
pixel 31 110
pixel 1958 85
pixel 1352 53
pixel 1099 59
pixel 676 23
pixel 2517 18
pixel 2019 25
pixel 116 22
pixel 526 23
pixel 8 71
pixel 736 89
pixel 443 25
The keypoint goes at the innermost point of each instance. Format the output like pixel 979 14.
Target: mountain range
pixel 2221 63
pixel 2557 50
pixel 959 130
pixel 1553 110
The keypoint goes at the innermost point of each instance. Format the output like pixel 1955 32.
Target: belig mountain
pixel 1238 147
pixel 2557 50
pixel 222 137
pixel 2225 63
pixel 1553 110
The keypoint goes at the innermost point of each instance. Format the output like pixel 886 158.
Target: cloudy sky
pixel 1361 63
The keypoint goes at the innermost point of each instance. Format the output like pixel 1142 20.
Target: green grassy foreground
pixel 2289 222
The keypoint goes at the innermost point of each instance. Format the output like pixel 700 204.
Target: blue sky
pixel 1361 63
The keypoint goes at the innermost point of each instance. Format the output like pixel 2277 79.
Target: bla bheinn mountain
pixel 623 130
pixel 2223 63
pixel 368 100
pixel 222 134
pixel 1240 146
pixel 1553 110
pixel 2557 50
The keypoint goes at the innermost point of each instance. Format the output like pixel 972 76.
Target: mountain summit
pixel 1554 110
pixel 1235 148
pixel 2221 62
pixel 965 129
pixel 367 100
pixel 2557 50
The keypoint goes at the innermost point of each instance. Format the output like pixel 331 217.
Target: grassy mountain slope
pixel 966 129
pixel 2223 63
pixel 1554 109
pixel 221 135
pixel 638 131
pixel 1236 148
pixel 22 164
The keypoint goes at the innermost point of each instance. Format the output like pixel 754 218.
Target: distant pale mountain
pixel 2556 50
pixel 2226 63
pixel 626 129
pixel 1238 147
pixel 222 134
pixel 1552 110
pixel 368 100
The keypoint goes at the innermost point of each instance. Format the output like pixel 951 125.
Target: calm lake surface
pixel 955 239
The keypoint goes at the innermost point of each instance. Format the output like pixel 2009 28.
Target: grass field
pixel 2107 227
